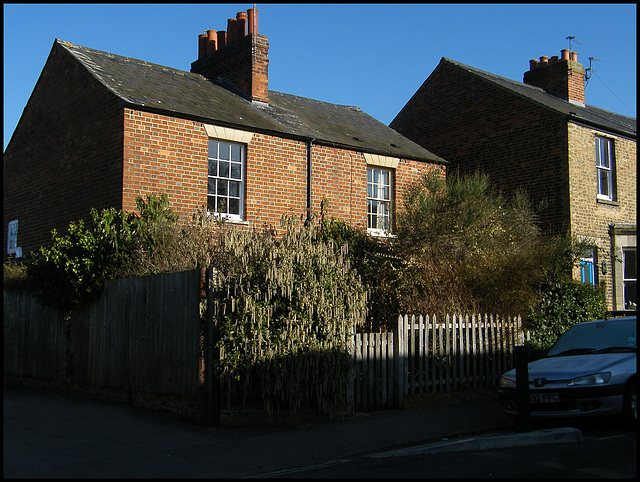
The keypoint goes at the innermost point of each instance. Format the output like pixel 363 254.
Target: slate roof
pixel 156 88
pixel 589 115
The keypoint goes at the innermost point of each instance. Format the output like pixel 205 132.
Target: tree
pixel 467 247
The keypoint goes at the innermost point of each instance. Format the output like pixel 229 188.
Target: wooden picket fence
pixel 142 338
pixel 426 354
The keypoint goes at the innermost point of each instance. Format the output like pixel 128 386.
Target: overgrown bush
pixel 287 308
pixel 287 305
pixel 376 262
pixel 14 275
pixel 73 269
pixel 70 271
pixel 466 247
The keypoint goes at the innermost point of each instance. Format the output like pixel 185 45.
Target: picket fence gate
pixel 427 354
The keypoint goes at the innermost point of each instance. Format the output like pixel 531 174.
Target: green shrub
pixel 73 269
pixel 559 306
pixel 70 271
pixel 14 275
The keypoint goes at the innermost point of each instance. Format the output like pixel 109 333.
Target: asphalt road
pixel 51 435
pixel 602 454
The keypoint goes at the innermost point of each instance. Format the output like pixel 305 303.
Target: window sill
pixel 608 202
pixel 226 219
pixel 380 233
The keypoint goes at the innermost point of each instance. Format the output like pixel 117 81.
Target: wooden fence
pixel 428 355
pixel 143 337
pixel 140 337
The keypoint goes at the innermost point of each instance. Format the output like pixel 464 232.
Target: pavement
pixel 48 434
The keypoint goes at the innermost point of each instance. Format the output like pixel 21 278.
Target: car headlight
pixel 506 382
pixel 595 379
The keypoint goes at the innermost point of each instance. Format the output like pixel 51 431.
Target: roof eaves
pixel 570 111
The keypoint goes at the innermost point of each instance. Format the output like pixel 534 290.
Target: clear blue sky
pixel 374 56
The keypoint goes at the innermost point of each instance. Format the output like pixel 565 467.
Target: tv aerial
pixel 589 71
pixel 571 39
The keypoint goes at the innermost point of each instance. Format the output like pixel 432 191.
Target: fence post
pixel 523 414
pixel 352 374
pixel 211 354
pixel 398 363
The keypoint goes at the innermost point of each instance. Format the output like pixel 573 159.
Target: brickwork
pixel 276 180
pixel 564 78
pixel 164 155
pixel 518 145
pixel 591 218
pixel 65 156
pixel 477 126
pixel 241 65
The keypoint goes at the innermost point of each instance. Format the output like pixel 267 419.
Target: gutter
pixel 309 183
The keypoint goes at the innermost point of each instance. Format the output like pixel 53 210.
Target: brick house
pixel 540 136
pixel 100 129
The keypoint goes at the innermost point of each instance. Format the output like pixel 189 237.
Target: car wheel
pixel 631 405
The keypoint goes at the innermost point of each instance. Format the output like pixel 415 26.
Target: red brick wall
pixel 276 181
pixel 82 149
pixel 479 127
pixel 65 155
pixel 164 154
pixel 340 177
pixel 169 155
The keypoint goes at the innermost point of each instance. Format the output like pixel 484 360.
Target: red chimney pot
pixel 241 21
pixel 202 45
pixel 253 20
pixel 222 39
pixel 212 37
pixel 232 31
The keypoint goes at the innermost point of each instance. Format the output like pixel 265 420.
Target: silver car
pixel 590 370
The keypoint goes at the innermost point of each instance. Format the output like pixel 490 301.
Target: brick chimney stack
pixel 237 58
pixel 562 77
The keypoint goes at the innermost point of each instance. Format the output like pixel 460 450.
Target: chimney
pixel 562 77
pixel 238 58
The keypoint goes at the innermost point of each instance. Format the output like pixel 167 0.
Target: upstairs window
pixel 605 165
pixel 225 181
pixel 378 200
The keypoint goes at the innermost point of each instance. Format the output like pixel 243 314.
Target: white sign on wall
pixel 12 239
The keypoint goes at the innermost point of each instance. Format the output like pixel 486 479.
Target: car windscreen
pixel 596 337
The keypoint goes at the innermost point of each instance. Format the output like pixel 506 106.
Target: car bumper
pixel 571 402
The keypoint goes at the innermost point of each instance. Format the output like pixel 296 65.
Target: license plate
pixel 544 398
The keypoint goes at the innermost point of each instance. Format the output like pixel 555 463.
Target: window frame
pixel 587 271
pixel 605 151
pixel 629 283
pixel 219 179
pixel 387 229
